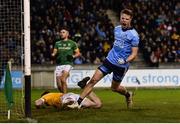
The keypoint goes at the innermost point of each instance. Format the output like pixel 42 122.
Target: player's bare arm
pixel 54 53
pixel 76 53
pixel 133 54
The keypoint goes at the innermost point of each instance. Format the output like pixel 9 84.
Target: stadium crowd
pixel 88 23
pixel 158 25
pixel 156 21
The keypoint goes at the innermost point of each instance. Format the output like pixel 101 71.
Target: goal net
pixel 11 49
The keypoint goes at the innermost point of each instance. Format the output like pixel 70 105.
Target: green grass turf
pixel 150 106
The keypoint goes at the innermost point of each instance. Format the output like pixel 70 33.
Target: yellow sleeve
pixel 53 99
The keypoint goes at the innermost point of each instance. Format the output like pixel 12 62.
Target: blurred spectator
pixel 155 58
pixel 100 31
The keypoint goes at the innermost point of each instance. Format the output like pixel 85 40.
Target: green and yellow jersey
pixel 65 49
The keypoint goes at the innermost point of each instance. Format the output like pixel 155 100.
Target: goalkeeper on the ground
pixel 61 100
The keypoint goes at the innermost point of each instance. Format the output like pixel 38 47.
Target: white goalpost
pixel 27 54
pixel 15 48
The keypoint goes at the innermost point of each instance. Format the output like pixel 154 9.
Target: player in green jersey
pixel 64 51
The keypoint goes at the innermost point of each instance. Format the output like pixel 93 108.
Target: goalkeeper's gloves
pixel 74 105
pixel 121 61
pixel 70 57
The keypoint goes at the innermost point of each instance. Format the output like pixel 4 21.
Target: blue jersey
pixel 124 40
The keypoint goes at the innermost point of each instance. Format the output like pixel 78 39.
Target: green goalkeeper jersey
pixel 64 50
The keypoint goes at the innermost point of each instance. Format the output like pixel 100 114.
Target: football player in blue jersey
pixel 124 51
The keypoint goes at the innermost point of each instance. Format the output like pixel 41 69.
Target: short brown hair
pixel 64 28
pixel 44 93
pixel 127 11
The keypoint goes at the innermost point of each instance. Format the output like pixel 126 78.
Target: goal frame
pixel 27 56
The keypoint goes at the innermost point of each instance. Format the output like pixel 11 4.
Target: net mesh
pixel 11 49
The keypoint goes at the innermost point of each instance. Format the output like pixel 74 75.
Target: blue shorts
pixel 118 72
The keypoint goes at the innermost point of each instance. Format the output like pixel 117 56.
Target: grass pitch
pixel 150 106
